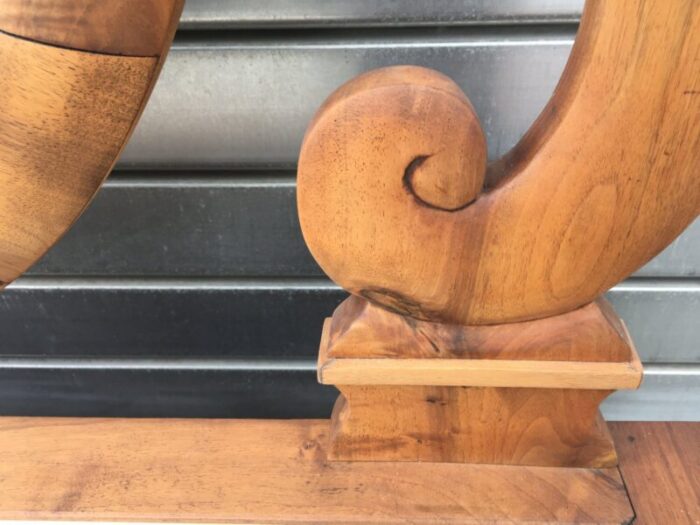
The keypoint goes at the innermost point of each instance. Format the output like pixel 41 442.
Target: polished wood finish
pixel 65 115
pixel 594 332
pixel 482 372
pixel 444 355
pixel 463 406
pixel 216 471
pixel 121 27
pixel 197 471
pixel 505 426
pixel 604 179
pixel 660 463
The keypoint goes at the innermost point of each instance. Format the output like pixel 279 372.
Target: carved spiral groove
pixel 391 172
pixel 391 153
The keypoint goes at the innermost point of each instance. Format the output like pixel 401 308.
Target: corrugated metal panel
pixel 663 318
pixel 245 102
pixel 271 318
pixel 217 14
pixel 207 226
pixel 668 393
pixel 191 388
pixel 192 294
pixel 100 389
pixel 224 226
pixel 680 259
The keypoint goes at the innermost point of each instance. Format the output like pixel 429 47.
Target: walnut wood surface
pixel 467 369
pixel 605 178
pixel 591 333
pixel 534 404
pixel 508 426
pixel 660 464
pixel 65 115
pixel 251 471
pixel 119 27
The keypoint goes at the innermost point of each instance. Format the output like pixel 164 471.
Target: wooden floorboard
pixel 660 464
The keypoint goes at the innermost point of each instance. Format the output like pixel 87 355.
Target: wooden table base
pixel 257 471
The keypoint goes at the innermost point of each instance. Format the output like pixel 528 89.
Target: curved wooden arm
pixel 75 77
pixel 603 181
pixel 117 27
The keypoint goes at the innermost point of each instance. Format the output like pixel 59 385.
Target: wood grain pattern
pixel 604 179
pixel 594 332
pixel 219 471
pixel 483 372
pixel 660 464
pixel 461 406
pixel 123 27
pixel 461 368
pixel 65 116
pixel 506 426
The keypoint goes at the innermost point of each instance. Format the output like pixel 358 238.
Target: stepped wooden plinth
pixel 518 394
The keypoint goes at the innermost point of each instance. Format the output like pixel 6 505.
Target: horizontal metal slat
pixel 234 227
pixel 217 14
pixel 224 226
pixel 263 318
pixel 138 392
pixel 680 259
pixel 662 317
pixel 195 318
pixel 668 392
pixel 246 101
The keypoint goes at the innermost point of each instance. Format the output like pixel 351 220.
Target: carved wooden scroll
pixel 475 332
pixel 75 77
pixel 394 207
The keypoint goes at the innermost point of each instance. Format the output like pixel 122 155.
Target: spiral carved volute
pixel 391 193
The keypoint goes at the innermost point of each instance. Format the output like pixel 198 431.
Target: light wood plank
pixel 253 471
pixel 485 373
